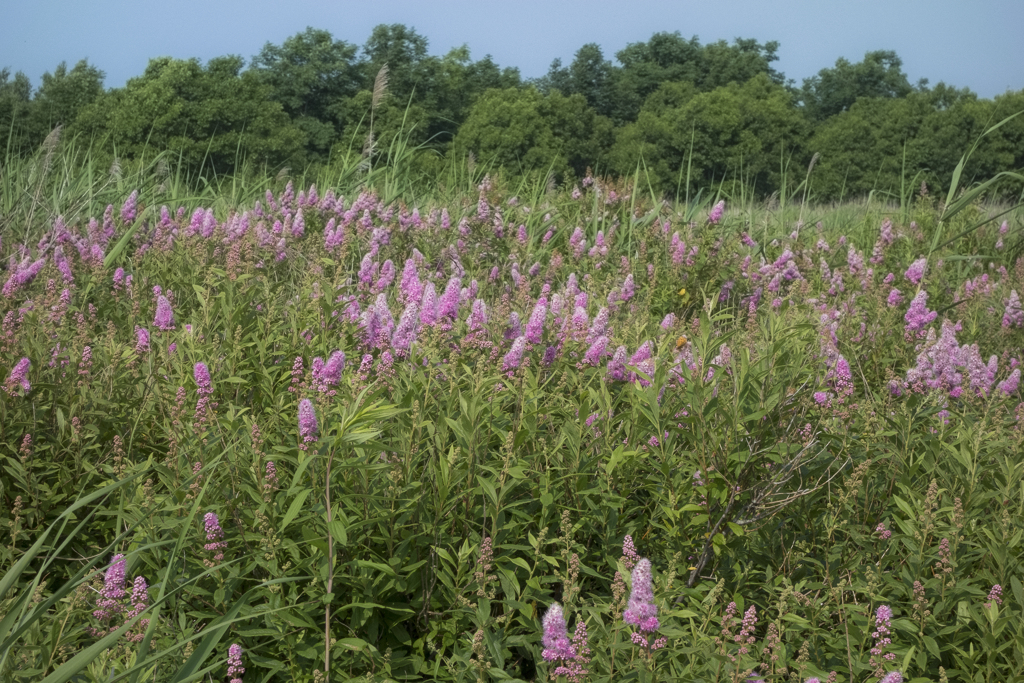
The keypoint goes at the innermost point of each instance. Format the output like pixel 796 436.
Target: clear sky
pixel 974 43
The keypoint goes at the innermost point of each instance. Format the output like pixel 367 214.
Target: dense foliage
pixel 374 430
pixel 691 115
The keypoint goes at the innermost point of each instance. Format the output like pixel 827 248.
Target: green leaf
pixel 294 508
pixel 338 532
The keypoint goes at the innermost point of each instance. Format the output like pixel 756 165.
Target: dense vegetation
pixel 690 115
pixel 374 428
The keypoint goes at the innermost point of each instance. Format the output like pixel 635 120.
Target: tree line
pixel 687 115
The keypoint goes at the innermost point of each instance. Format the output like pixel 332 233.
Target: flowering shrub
pixel 818 494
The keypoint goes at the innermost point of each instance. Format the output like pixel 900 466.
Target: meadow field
pixel 307 429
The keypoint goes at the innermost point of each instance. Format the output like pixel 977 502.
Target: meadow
pixel 335 428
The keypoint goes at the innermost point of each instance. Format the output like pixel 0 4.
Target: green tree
pixel 884 144
pixel 738 63
pixel 63 94
pixel 736 131
pixel 15 112
pixel 522 131
pixel 309 74
pixel 209 116
pixel 392 121
pixel 835 90
pixel 589 74
pixel 862 148
pixel 452 84
pixel 668 57
pixel 405 53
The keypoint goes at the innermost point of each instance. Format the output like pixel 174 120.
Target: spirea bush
pixel 343 435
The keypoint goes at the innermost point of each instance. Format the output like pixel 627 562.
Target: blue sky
pixel 972 43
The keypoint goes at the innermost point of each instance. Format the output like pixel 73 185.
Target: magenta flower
pixel 307 421
pixel 628 289
pixel 429 306
pixel 367 271
pixel 141 340
pixel 129 208
pixel 477 320
pixel 19 377
pixel 716 213
pixel 1014 314
pixel 892 677
pixel 235 669
pixel 448 306
pixel 410 287
pixel 556 635
pixel 995 596
pixel 114 599
pixel 331 374
pixel 916 270
pixel 269 477
pixel 405 333
pixel 883 617
pixel 617 364
pixel 596 351
pixel 107 605
pixel 202 376
pixel 515 327
pixel 641 610
pixel 214 539
pixel 1009 385
pixel 386 276
pixel 535 325
pixel 164 319
pixel 599 325
pixel 918 316
pixel 514 357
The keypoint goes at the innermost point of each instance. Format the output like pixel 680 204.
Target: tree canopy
pixel 719 111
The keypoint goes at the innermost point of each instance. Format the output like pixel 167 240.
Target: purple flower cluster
pixel 164 319
pixel 214 539
pixel 130 207
pixel 1013 316
pixel 328 375
pixel 571 656
pixel 556 635
pixel 915 273
pixel 641 610
pixel 716 213
pixel 918 316
pixel 944 365
pixel 205 390
pixel 141 340
pixel 995 596
pixel 514 356
pixel 308 427
pixel 115 604
pixel 22 274
pixel 269 477
pixel 883 617
pixel 19 377
pixel 235 668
